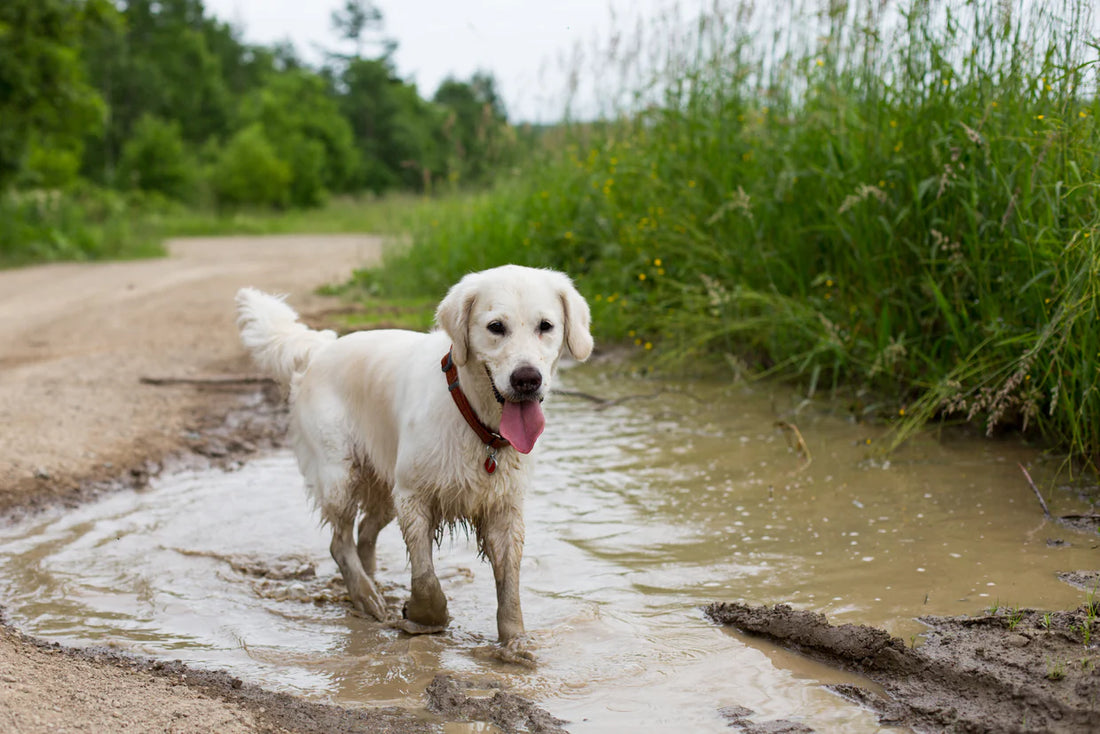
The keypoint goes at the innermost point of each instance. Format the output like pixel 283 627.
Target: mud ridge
pixel 450 697
pixel 1013 671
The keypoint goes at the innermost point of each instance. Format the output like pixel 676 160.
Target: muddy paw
pixel 415 628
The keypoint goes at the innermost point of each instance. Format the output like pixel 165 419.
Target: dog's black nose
pixel 526 380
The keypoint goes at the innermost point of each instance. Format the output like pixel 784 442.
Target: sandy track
pixel 75 339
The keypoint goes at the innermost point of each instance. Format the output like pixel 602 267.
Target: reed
pixel 902 196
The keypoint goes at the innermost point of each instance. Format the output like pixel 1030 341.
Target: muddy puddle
pixel 643 511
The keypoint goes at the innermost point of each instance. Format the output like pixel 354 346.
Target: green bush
pixel 155 158
pixel 50 166
pixel 300 119
pixel 80 223
pixel 248 172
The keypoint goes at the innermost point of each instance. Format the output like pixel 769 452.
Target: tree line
pixel 157 96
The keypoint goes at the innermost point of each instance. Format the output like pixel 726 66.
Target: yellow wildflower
pixel 657 262
pixel 649 345
pixel 641 276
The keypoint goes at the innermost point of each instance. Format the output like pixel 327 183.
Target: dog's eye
pixel 496 327
pixel 545 326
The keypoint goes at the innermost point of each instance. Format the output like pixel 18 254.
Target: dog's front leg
pixel 426 610
pixel 502 542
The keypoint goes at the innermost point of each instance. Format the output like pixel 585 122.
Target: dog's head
pixel 517 322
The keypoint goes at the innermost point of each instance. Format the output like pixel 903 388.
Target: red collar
pixel 493 441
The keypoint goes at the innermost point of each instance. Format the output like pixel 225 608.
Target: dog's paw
pixel 415 628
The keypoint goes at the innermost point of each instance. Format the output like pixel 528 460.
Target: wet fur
pixel 378 437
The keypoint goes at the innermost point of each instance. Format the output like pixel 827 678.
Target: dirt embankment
pixel 1014 671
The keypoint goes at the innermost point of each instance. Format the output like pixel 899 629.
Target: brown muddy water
pixel 642 512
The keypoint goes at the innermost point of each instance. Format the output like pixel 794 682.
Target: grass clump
pixel 894 195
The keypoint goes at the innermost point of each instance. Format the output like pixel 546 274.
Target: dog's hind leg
pixel 364 594
pixel 339 508
pixel 377 513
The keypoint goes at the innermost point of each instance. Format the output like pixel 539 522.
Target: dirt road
pixel 75 339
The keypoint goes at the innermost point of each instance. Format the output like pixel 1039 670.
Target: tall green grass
pixel 895 195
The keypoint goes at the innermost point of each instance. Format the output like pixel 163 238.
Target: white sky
pixel 525 43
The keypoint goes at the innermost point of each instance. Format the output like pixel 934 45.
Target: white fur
pixel 377 434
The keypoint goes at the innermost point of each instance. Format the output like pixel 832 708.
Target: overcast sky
pixel 523 42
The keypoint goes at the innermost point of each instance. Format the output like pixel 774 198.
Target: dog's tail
pixel 280 345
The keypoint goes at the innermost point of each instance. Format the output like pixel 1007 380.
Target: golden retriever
pixel 376 425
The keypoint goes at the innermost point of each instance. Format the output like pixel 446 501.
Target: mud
pixel 1008 671
pixel 455 699
pixel 237 422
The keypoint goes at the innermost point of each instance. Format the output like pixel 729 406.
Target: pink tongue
pixel 522 424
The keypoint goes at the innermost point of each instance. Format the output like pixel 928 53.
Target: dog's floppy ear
pixel 578 321
pixel 453 316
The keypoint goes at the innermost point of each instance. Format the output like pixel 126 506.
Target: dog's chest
pixel 463 489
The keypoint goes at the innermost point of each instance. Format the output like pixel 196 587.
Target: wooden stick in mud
pixel 217 380
pixel 1043 502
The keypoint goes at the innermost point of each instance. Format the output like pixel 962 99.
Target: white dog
pixel 432 429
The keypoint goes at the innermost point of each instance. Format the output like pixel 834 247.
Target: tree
pixel 354 20
pixel 395 129
pixel 477 126
pixel 45 97
pixel 165 59
pixel 300 117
